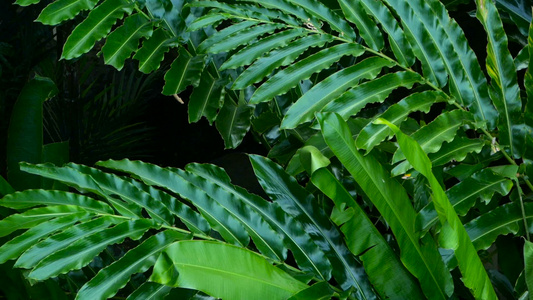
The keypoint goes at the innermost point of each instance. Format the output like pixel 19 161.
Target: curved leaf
pixel 364 240
pixel 207 100
pixel 321 94
pixel 81 252
pixel 112 278
pixel 222 35
pixel 368 30
pixel 295 200
pixel 242 37
pixel 206 20
pixel 56 242
pixel 453 236
pixel 150 291
pixel 153 50
pixel 308 256
pixel 303 69
pixel 32 198
pixel 373 134
pixel 96 26
pixel 422 259
pixel 505 92
pixel 218 217
pixel 279 57
pixel 184 71
pixel 355 99
pixel 456 150
pixel 233 122
pixel 61 10
pixel 125 40
pixel 241 275
pixel 251 52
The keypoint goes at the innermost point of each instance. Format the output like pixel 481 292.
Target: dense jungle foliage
pixel 375 149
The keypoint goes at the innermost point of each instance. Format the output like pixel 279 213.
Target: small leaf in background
pixel 207 100
pixel 233 122
pixel 184 71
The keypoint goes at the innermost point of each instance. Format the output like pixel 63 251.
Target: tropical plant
pixel 322 74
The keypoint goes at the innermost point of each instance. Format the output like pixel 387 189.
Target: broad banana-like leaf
pixel 505 92
pixel 355 99
pixel 354 12
pixel 233 122
pixel 361 236
pixel 54 243
pixel 81 252
pixel 242 274
pixel 95 27
pixel 454 235
pixel 397 39
pixel 184 71
pixel 330 88
pixel 318 291
pixel 218 217
pixel 153 50
pixel 251 52
pixel 287 78
pixel 25 133
pixel 463 195
pixel 276 58
pixel 421 258
pixel 295 200
pixel 150 291
pixel 122 42
pixel 306 253
pixel 62 10
pixel 112 278
pixel 207 100
pixel 373 134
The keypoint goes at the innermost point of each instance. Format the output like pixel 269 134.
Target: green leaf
pixel 32 198
pixel 150 291
pixel 125 40
pixel 96 26
pixel 13 248
pixel 519 11
pixel 355 99
pixel 305 251
pixel 528 81
pixel 61 10
pixel 81 252
pixel 295 200
pixel 153 50
pixel 112 278
pixel 373 134
pixel 184 71
pixel 318 291
pixel 25 133
pixel 456 150
pixel 454 236
pixel 233 122
pixel 169 13
pixel 290 8
pixel 251 52
pixel 223 34
pixel 421 259
pixel 397 39
pixel 528 261
pixel 361 236
pixel 54 243
pixel 279 57
pixel 329 89
pixel 504 91
pixel 5 187
pixel 206 20
pixel 368 30
pixel 228 227
pixel 242 37
pixel 208 99
pixel 26 2
pixel 36 216
pixel 431 136
pixel 284 80
pixel 242 274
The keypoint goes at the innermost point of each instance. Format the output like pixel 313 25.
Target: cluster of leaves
pixel 344 79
